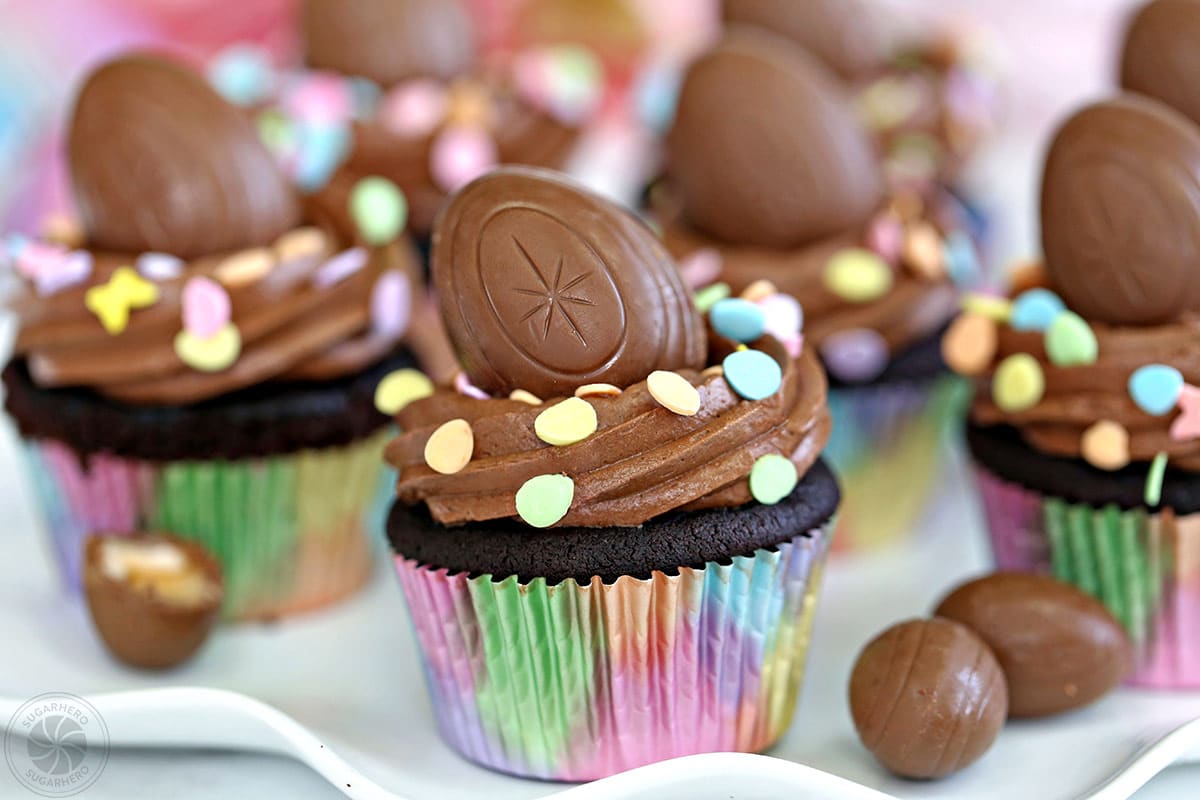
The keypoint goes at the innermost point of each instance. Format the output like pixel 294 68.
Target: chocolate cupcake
pixel 395 88
pixel 929 100
pixel 1084 424
pixel 770 176
pixel 610 540
pixel 196 360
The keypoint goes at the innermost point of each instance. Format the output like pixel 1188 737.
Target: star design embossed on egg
pixel 554 296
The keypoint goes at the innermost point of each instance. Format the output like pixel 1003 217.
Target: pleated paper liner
pixel 292 532
pixel 887 446
pixel 574 682
pixel 1144 566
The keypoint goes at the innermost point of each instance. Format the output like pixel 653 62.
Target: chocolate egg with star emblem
pixel 546 287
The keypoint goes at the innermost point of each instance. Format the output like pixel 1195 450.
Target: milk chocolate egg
pixel 546 287
pixel 160 162
pixel 1121 212
pixel 765 148
pixel 844 34
pixel 1161 58
pixel 388 41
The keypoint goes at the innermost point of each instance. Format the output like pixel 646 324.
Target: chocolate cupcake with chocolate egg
pixel 611 539
pixel 1085 426
pixel 928 97
pixel 394 88
pixel 199 361
pixel 772 187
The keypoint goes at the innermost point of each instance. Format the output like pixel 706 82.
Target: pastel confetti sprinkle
pixel 1156 388
pixel 598 390
pixel 674 392
pixel 701 267
pixel 568 422
pixel 470 105
pixel 962 260
pixel 1105 445
pixel 51 267
pixel 772 478
pixel 709 296
pixel 1070 341
pixel 753 374
pixel 758 291
pixel 715 371
pixel 277 132
pixel 391 304
pixel 460 154
pixel 544 500
pixel 654 96
pixel 885 235
pixel 784 315
pixel 994 308
pixel 923 252
pixel 856 355
pixel 340 267
pixel 63 229
pixel 414 109
pixel 449 448
pixel 858 276
pixel 1035 309
pixel 737 319
pixel 522 396
pixel 245 268
pixel 320 149
pixel 970 344
pixel 379 209
pixel 1018 383
pixel 212 354
pixel 301 243
pixel 320 99
pixel 400 388
pixel 242 74
pixel 793 345
pixel 159 266
pixel 564 80
pixel 125 291
pixel 206 307
pixel 1154 480
pixel 1187 425
pixel 463 385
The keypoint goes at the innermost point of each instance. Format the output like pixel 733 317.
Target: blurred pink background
pixel 1053 55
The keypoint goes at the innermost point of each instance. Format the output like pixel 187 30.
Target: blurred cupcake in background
pixel 1085 427
pixel 772 185
pixel 396 88
pixel 610 539
pixel 193 359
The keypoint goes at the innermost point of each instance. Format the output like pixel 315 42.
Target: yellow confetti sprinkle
pixel 522 396
pixel 759 290
pixel 715 369
pixel 1018 383
pixel 400 388
pixel 598 390
pixel 568 422
pixel 985 305
pixel 450 447
pixel 215 353
pixel 301 243
pixel 245 268
pixel 1105 445
pixel 111 302
pixel 858 276
pixel 674 392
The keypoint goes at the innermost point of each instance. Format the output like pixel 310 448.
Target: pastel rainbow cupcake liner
pixel 887 447
pixel 1144 566
pixel 292 532
pixel 574 682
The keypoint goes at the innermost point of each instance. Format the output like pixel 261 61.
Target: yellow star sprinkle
pixel 111 302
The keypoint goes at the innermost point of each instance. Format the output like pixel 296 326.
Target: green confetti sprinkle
pixel 772 478
pixel 1154 480
pixel 1070 341
pixel 709 296
pixel 544 500
pixel 379 208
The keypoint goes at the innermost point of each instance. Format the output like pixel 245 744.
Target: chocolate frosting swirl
pixel 642 462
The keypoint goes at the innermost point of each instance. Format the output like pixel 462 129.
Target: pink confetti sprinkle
pixel 857 355
pixel 794 344
pixel 53 268
pixel 785 317
pixel 701 268
pixel 461 154
pixel 886 237
pixel 321 99
pixel 340 267
pixel 531 76
pixel 159 266
pixel 1187 425
pixel 462 385
pixel 414 109
pixel 206 307
pixel 391 304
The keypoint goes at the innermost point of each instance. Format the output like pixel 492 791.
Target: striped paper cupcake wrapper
pixel 887 446
pixel 1144 566
pixel 574 682
pixel 292 532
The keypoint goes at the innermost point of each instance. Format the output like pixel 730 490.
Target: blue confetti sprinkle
pixel 1035 309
